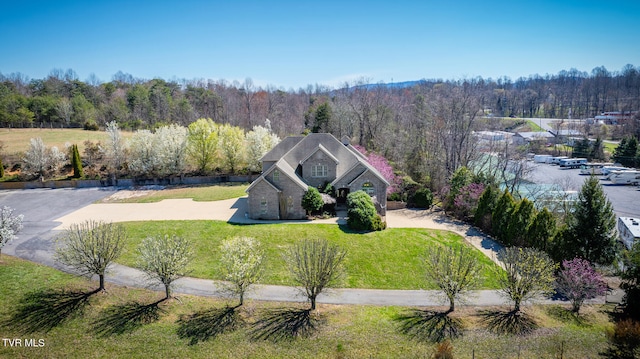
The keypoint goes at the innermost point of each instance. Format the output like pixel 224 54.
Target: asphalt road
pixel 40 207
pixel 625 199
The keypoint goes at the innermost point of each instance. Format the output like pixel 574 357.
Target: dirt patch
pixel 132 193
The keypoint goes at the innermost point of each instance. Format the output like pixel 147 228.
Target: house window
pixel 319 171
pixel 263 206
pixel 276 176
pixel 369 188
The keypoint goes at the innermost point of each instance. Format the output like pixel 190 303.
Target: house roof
pixel 281 148
pixel 294 150
pixel 535 135
pixel 258 180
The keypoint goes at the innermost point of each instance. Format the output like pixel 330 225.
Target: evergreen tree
pixel 627 152
pixel 591 226
pixel 76 162
pixel 580 148
pixel 597 150
pixel 1 168
pixel 486 206
pixel 542 230
pixel 501 215
pixel 519 223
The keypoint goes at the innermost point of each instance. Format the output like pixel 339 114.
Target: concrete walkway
pixel 40 249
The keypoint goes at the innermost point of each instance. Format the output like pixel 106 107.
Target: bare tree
pixel 453 270
pixel 90 247
pixel 165 259
pixel 315 264
pixel 65 109
pixel 10 225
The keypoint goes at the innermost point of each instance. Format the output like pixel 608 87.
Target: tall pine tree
pixel 591 226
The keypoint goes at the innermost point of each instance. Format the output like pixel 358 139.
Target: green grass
pixel 216 192
pixel 17 140
pixel 534 127
pixel 610 147
pixel 390 259
pixel 344 332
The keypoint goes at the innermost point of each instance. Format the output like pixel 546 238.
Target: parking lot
pixel 625 199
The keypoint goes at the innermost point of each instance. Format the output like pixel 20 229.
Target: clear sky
pixel 292 44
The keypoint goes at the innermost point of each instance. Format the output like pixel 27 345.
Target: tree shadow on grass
pixel 207 324
pixel 511 322
pixel 43 310
pixel 426 325
pixel 126 318
pixel 284 324
pixel 566 316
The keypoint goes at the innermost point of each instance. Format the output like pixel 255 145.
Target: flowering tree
pixel 141 153
pixel 116 147
pixel 241 264
pixel 202 143
pixel 260 140
pixel 578 281
pixel 9 225
pixel 165 259
pixel 231 146
pixel 382 165
pixel 39 160
pixel 466 201
pixel 170 144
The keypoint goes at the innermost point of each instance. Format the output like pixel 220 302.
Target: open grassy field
pixel 17 140
pixel 37 303
pixel 390 259
pixel 215 192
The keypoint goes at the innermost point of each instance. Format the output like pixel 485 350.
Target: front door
pixel 342 195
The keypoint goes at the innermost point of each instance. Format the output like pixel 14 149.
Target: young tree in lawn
pixel 10 225
pixel 454 271
pixel 591 227
pixel 90 247
pixel 202 143
pixel 577 281
pixel 315 264
pixel 312 200
pixel 527 273
pixel 241 264
pixel 165 259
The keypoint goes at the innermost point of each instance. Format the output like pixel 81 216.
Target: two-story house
pixel 316 160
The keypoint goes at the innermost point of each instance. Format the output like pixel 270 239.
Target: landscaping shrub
pixel 423 198
pixel 362 214
pixel 91 125
pixel 312 200
pixel 1 169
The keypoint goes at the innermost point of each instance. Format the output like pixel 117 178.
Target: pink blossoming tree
pixel 578 281
pixel 382 165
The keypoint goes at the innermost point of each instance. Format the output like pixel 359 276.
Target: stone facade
pixel 315 160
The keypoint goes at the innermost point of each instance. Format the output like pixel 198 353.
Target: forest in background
pixel 424 128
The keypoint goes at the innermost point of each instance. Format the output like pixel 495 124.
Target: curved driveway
pixel 48 211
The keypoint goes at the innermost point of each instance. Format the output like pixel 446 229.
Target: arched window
pixel 369 188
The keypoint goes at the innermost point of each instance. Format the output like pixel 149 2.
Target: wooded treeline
pixel 418 125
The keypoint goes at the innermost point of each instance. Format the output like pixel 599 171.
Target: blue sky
pixel 292 44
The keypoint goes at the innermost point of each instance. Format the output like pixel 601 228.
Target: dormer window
pixel 319 171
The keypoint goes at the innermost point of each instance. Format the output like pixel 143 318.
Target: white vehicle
pixel 556 160
pixel 625 177
pixel 541 158
pixel 606 170
pixel 593 168
pixel 572 162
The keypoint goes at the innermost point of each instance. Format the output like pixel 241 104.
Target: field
pixel 390 259
pixel 17 140
pixel 124 322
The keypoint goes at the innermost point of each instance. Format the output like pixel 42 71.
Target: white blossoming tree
pixel 241 264
pixel 260 140
pixel 165 259
pixel 10 225
pixel 40 161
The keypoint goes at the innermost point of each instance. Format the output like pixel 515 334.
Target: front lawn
pixel 98 329
pixel 390 259
pixel 217 192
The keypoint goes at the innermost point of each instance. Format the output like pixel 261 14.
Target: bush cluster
pixel 361 212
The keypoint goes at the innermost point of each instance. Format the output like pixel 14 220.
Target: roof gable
pixel 323 149
pixel 258 180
